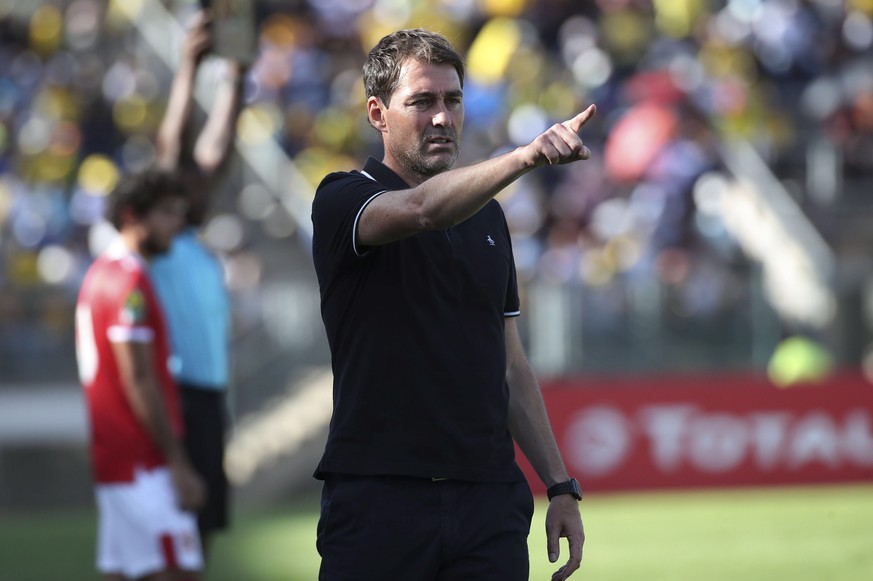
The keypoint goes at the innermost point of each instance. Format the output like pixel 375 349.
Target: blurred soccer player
pixel 199 329
pixel 145 485
pixel 419 300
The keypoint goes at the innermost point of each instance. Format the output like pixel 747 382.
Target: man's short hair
pixel 382 69
pixel 140 192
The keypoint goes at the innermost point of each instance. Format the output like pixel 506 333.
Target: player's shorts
pixel 141 530
pixel 204 413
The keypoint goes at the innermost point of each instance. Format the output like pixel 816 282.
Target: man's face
pixel 422 132
pixel 162 223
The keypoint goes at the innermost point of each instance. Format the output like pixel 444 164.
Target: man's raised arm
pixel 451 197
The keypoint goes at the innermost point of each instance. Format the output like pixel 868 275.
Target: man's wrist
pixel 525 160
pixel 187 68
pixel 569 487
pixel 175 455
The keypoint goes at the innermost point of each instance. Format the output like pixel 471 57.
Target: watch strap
pixel 570 487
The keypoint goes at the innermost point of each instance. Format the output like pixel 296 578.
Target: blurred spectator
pixel 78 108
pixel 145 485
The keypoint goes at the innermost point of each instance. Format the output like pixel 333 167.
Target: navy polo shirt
pixel 416 333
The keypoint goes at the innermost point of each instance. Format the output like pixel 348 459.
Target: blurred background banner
pixel 721 229
pixel 686 431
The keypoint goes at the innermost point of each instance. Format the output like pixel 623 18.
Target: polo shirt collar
pixel 384 175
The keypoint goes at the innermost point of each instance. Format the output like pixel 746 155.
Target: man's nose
pixel 441 118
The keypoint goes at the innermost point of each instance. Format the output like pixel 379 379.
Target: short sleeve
pixel 131 317
pixel 339 201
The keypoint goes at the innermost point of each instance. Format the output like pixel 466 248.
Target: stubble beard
pixel 154 246
pixel 420 163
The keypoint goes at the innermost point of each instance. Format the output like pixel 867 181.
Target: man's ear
pixel 376 114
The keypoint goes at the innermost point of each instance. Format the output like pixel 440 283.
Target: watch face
pixel 577 490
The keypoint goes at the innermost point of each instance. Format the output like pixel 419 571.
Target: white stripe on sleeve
pixel 122 334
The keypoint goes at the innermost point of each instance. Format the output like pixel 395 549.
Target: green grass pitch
pixel 770 534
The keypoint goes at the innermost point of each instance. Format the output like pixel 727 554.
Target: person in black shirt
pixel 431 384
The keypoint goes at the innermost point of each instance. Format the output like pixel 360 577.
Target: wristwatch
pixel 570 487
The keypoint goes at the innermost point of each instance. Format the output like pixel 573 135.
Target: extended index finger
pixel 576 123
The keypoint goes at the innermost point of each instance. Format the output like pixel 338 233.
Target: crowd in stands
pixel 81 94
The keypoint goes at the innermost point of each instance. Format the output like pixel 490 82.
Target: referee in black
pixel 419 301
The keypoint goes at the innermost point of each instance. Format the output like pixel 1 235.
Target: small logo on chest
pixel 489 240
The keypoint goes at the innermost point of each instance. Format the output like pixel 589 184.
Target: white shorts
pixel 141 530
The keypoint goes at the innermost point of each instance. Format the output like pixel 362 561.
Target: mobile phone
pixel 234 33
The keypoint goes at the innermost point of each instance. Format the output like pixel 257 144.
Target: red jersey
pixel 117 304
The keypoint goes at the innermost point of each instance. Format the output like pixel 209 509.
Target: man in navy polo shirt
pixel 431 384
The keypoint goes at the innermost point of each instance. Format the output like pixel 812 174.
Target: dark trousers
pixel 401 529
pixel 204 413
